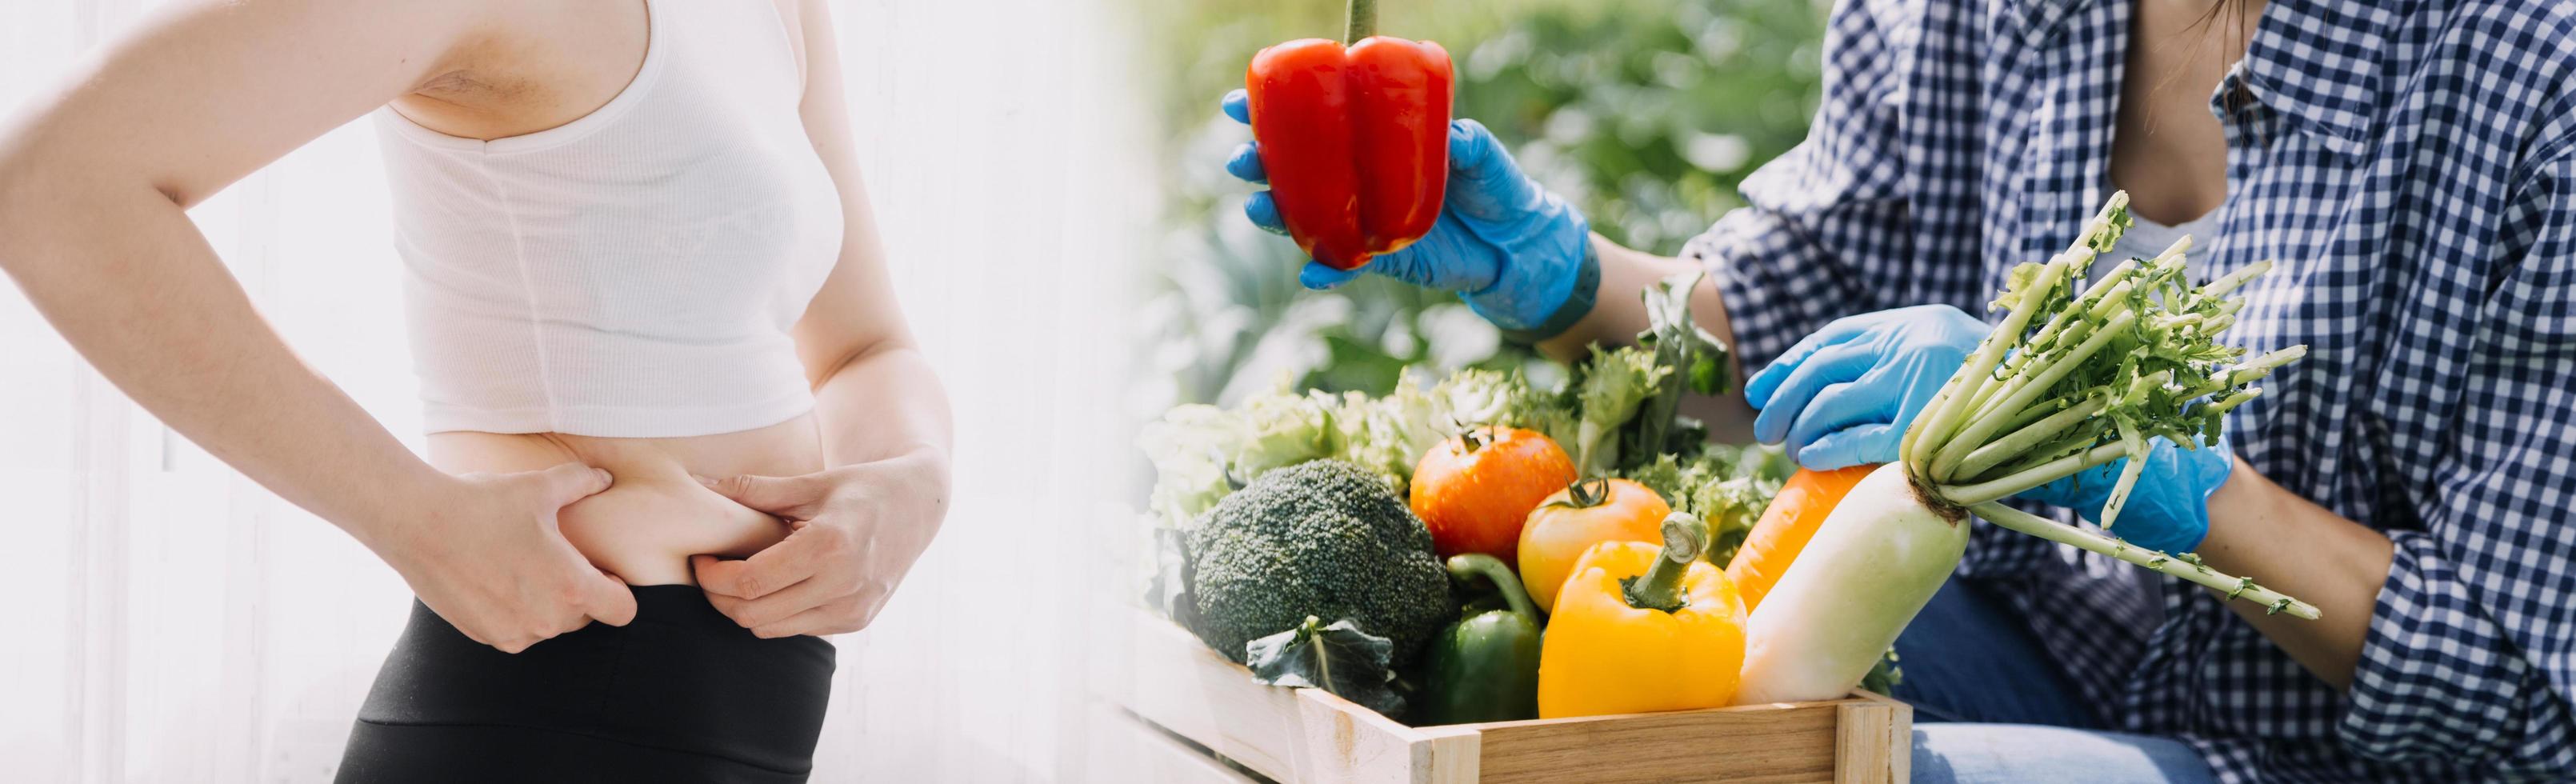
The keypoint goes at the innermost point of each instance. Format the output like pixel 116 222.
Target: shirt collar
pixel 2318 63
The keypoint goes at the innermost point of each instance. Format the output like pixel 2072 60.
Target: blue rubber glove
pixel 1515 252
pixel 1844 395
pixel 2167 510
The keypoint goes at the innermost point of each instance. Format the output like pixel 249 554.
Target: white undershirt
pixel 2145 239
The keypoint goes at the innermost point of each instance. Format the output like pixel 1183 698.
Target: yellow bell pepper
pixel 1642 628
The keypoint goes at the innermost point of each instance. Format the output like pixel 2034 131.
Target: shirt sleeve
pixel 2471 652
pixel 1826 217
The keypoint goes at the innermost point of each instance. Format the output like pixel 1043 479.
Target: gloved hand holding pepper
pixel 1519 255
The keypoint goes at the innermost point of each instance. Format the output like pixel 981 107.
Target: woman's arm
pixel 1619 313
pixel 875 392
pixel 863 520
pixel 2259 528
pixel 95 181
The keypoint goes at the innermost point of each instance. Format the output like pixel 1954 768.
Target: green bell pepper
pixel 1484 666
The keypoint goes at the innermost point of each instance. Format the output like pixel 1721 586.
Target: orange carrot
pixel 1786 525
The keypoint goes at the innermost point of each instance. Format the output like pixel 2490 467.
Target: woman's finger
pixel 775 607
pixel 1246 164
pixel 773 569
pixel 1318 277
pixel 1838 406
pixel 1830 365
pixel 783 496
pixel 848 614
pixel 1264 213
pixel 1758 389
pixel 571 482
pixel 610 602
pixel 1238 105
pixel 1851 446
pixel 1484 183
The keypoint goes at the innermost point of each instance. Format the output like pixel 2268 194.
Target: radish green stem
pixel 1956 395
pixel 2228 282
pixel 2020 441
pixel 2038 379
pixel 1999 489
pixel 2129 472
pixel 2061 533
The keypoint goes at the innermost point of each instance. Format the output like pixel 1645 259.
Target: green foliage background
pixel 1645 113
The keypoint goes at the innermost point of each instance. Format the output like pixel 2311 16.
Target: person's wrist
pixel 1582 292
pixel 1550 279
pixel 400 508
pixel 2208 467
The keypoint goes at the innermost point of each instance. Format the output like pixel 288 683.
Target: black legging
pixel 681 694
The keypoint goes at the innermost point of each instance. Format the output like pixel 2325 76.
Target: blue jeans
pixel 1991 708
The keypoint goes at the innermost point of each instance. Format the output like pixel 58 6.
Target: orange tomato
pixel 1476 489
pixel 1785 527
pixel 1574 519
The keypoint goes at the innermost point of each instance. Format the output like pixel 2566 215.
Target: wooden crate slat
pixel 1753 743
pixel 1874 743
pixel 1346 742
pixel 1456 755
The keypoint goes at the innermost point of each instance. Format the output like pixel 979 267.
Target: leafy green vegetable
pixel 1884 675
pixel 1609 389
pixel 1725 486
pixel 1339 658
pixel 1506 399
pixel 1698 363
pixel 1202 453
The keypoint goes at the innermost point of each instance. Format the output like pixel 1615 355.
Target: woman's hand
pixel 2168 508
pixel 1513 250
pixel 483 552
pixel 858 529
pixel 1845 395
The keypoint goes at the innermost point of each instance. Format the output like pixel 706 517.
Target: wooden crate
pixel 1310 735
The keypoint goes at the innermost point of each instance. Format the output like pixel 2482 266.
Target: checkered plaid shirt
pixel 2412 167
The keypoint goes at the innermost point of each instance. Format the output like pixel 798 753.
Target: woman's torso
pixel 610 217
pixel 656 514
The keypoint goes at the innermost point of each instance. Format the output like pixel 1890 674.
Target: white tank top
pixel 632 273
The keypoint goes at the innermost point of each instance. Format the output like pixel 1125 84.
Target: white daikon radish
pixel 1874 562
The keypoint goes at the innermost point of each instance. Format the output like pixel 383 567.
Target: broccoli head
pixel 1325 539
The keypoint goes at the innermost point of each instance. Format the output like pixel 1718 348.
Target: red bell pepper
pixel 1356 140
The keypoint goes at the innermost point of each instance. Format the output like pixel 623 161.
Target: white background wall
pixel 167 620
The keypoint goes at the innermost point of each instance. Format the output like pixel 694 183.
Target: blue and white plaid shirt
pixel 2412 167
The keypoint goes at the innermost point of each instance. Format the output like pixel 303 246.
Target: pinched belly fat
pixel 655 514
